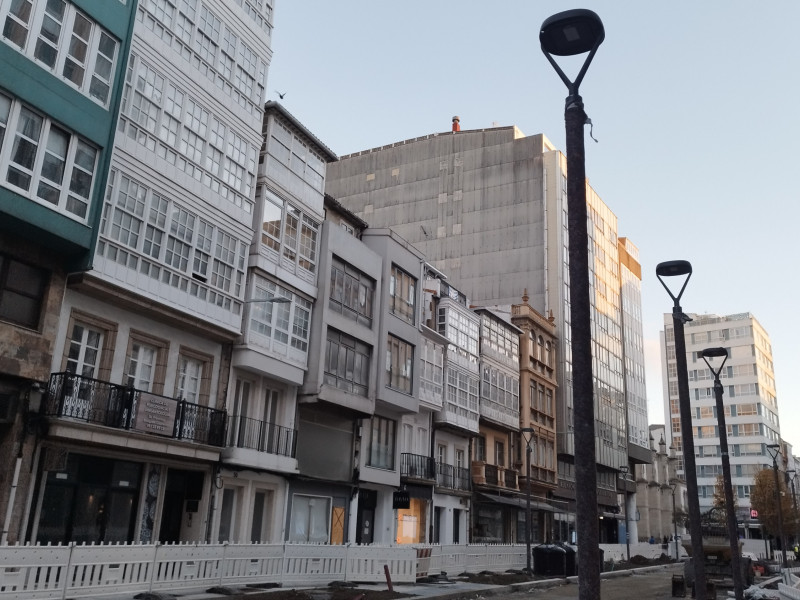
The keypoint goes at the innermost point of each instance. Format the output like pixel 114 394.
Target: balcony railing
pixel 253 434
pixel 122 407
pixel 454 478
pixel 490 471
pixel 417 466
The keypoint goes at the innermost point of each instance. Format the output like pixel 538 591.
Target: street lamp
pixel 730 509
pixel 774 450
pixel 528 438
pixel 624 470
pixel 571 33
pixel 677 268
pixel 673 486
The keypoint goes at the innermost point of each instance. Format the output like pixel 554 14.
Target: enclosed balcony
pixel 417 467
pixel 78 399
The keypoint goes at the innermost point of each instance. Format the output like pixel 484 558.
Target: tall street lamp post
pixel 571 33
pixel 673 486
pixel 624 470
pixel 774 450
pixel 527 433
pixel 730 509
pixel 677 268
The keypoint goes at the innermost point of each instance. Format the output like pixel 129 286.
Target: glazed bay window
pixel 289 237
pixel 285 323
pixel 46 162
pixel 177 246
pixel 347 363
pixel 381 443
pixel 61 39
pixel 399 361
pixel 22 292
pixel 351 292
pixel 402 295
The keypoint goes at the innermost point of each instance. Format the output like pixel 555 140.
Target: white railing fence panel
pixel 365 564
pixel 252 563
pixel 313 564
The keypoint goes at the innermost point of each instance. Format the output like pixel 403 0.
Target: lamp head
pixel 774 450
pixel 671 268
pixel 623 468
pixel 571 32
pixel 714 353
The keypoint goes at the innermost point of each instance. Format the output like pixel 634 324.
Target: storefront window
pixel 412 522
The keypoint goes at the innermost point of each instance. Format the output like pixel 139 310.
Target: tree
pixel 762 499
pixel 719 501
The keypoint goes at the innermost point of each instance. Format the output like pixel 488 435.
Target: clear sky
pixel 694 106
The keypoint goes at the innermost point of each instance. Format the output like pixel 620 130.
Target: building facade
pixel 488 207
pixel 64 64
pixel 134 414
pixel 749 396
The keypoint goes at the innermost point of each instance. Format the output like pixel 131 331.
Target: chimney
pixel 456 126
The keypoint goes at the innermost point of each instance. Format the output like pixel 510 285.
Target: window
pixel 46 163
pixel 285 322
pixel 381 443
pixel 84 349
pixel 310 519
pixel 351 292
pixel 499 454
pixel 145 362
pixel 402 294
pixel 288 236
pixel 480 448
pixel 347 363
pixel 192 383
pixel 399 360
pixel 503 389
pixel 66 42
pixel 432 367
pixel 22 292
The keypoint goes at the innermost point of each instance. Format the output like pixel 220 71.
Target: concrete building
pixel 135 410
pixel 63 68
pixel 750 399
pixel 270 359
pixel 488 207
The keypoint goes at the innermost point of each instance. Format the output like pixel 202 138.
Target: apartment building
pixel 749 396
pixel 135 409
pixel 63 68
pixel 488 208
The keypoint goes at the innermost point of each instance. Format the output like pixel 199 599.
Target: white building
pixel 145 336
pixel 750 400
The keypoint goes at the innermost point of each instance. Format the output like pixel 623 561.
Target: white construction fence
pixel 86 571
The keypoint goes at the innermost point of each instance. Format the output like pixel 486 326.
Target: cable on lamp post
pixel 730 509
pixel 624 470
pixel 774 450
pixel 678 268
pixel 528 438
pixel 673 486
pixel 571 33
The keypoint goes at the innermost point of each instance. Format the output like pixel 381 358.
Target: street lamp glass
pixel 674 267
pixel 713 352
pixel 571 32
pixel 774 450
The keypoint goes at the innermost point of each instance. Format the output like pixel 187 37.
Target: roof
pixel 273 106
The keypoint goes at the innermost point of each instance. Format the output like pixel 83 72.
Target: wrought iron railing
pixel 454 478
pixel 123 407
pixel 417 466
pixel 253 434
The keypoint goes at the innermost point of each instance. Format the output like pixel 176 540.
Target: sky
pixel 693 105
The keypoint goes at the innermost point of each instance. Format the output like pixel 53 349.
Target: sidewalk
pixel 450 590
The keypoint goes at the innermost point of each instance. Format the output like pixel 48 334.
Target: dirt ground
pixel 346 592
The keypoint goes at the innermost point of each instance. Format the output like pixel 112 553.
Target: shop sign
pixel 155 414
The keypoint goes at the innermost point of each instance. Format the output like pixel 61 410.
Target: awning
pixel 518 502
